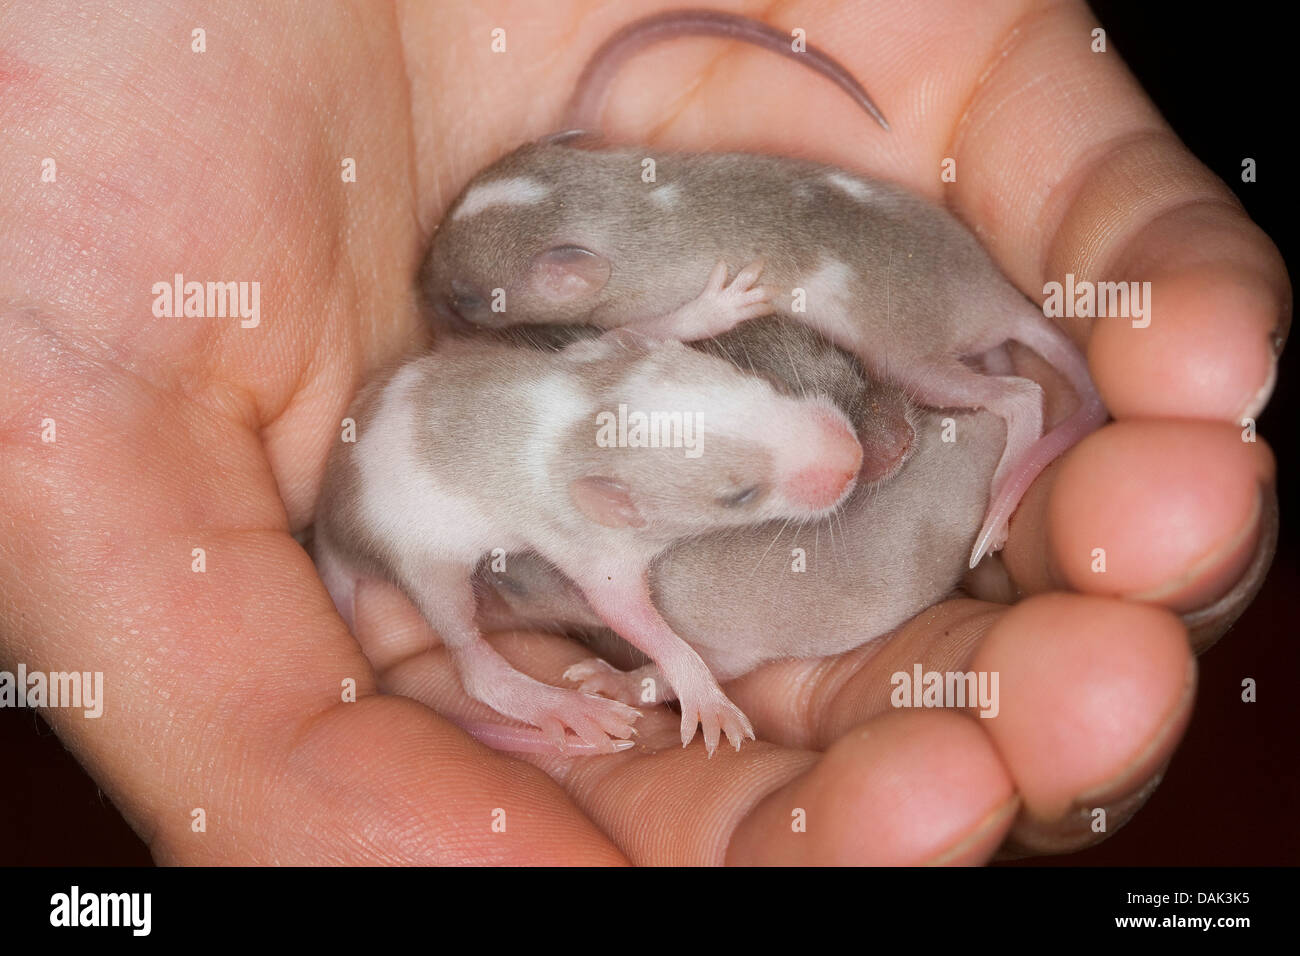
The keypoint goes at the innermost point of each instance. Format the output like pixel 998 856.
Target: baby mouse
pixel 745 596
pixel 482 445
pixel 567 235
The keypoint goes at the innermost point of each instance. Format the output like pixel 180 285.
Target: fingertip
pixel 1217 304
pixel 902 789
pixel 1136 512
pixel 1094 695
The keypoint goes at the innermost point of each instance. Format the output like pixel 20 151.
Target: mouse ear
pixel 605 501
pixel 565 273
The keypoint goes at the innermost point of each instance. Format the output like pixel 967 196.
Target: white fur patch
pixel 846 184
pixel 501 192
pixel 828 287
pixel 666 195
pixel 707 389
pixel 556 406
pixel 402 503
pixel 829 302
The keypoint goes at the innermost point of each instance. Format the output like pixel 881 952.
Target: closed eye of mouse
pixel 466 300
pixel 746 497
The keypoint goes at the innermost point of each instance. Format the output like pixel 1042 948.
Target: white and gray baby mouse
pixel 746 596
pixel 481 445
pixel 555 233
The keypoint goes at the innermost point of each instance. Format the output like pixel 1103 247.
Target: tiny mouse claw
pixel 992 536
pixel 715 715
pixel 543 741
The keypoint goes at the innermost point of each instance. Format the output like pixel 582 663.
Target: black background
pixel 1222 76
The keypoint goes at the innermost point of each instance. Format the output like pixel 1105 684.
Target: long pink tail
pixel 1052 344
pixel 583 111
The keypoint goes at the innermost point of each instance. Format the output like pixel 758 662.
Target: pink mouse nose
pixel 835 461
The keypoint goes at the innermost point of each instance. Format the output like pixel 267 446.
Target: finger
pixel 387 626
pixel 717 278
pixel 1094 696
pixel 812 703
pixel 749 274
pixel 899 790
pixel 1206 624
pixel 1133 511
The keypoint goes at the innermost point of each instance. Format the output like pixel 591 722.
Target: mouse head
pixel 514 246
pixel 682 442
pixel 798 361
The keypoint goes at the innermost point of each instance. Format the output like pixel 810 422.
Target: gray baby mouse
pixel 555 233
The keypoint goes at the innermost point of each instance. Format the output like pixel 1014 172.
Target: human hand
pixel 179 433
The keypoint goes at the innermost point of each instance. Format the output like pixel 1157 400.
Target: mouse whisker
pixel 775 539
pixel 749 359
pixel 794 369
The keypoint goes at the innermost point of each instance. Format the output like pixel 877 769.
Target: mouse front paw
pixel 720 307
pixel 715 714
pixel 737 301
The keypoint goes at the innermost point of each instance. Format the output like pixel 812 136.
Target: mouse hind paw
pixel 597 721
pixel 714 713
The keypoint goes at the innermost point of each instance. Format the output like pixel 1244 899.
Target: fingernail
pixel 1074 830
pixel 994 824
pixel 1255 404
